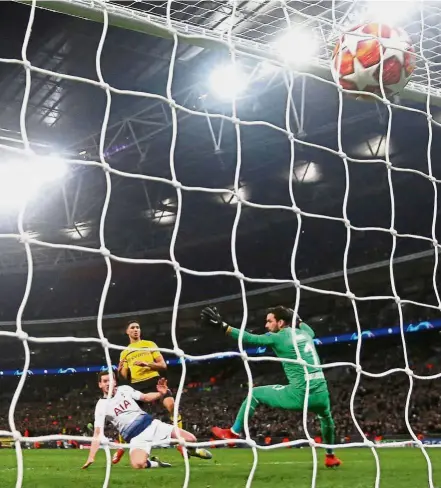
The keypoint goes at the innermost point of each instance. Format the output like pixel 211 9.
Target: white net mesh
pixel 235 25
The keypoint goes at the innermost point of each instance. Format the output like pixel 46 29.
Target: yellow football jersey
pixel 138 373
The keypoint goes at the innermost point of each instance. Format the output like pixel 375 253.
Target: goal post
pixel 129 18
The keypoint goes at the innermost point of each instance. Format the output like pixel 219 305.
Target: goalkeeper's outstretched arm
pixel 210 316
pixel 248 338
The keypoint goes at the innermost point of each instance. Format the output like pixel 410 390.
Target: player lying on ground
pixel 143 369
pixel 291 396
pixel 139 428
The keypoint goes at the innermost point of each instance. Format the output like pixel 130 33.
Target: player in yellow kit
pixel 143 369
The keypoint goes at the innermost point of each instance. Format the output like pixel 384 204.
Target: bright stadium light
pixel 307 172
pixel 228 81
pixel 389 12
pixel 297 47
pixel 21 179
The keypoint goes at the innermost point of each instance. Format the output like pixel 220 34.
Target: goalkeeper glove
pixel 211 317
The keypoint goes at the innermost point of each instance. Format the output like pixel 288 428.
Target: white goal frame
pixel 148 23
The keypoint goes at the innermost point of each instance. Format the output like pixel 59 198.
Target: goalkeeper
pixel 291 396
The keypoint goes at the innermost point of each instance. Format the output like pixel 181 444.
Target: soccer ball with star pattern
pixel 357 58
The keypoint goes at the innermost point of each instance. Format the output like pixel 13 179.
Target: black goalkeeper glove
pixel 211 317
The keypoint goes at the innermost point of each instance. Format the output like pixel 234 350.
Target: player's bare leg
pixel 191 451
pixel 139 459
pixel 119 453
pixel 169 404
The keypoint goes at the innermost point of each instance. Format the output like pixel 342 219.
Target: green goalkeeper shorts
pixel 289 398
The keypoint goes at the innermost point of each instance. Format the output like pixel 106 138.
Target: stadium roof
pixel 65 116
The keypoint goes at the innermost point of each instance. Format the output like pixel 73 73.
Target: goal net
pixel 256 44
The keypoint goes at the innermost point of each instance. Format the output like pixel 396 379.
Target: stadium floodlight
pixel 21 179
pixel 307 172
pixel 389 12
pixel 297 47
pixel 228 81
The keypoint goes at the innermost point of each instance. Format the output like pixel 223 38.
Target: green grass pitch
pixel 403 468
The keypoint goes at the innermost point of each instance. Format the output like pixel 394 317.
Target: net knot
pixel 239 275
pixel 181 441
pixel 432 179
pixel 178 352
pixel 104 441
pixel 172 103
pixel 393 231
pixel 398 300
pixel 296 209
pixel 27 64
pixel 358 368
pixel 24 238
pixel 302 362
pixel 347 222
pixel 350 295
pixel 105 252
pixel 435 242
pixel 105 342
pixel 22 335
pixel 342 154
pixel 369 443
pixel 408 371
pixel 177 184
pixel 16 435
pixel 244 356
pixel 105 166
pixel 429 117
pixel 297 283
pixel 419 444
pixel 105 86
pixel 235 120
pixel 388 164
pixel 251 442
pixel 291 137
pixel 312 443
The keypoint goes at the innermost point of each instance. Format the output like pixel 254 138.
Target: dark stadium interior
pixel 67 284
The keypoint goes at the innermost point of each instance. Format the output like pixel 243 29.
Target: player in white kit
pixel 137 427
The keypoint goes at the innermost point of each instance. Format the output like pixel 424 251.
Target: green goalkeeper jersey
pixel 282 344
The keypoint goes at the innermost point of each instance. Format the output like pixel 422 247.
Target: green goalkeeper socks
pixel 328 432
pixel 240 419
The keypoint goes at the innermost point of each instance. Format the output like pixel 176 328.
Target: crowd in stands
pixel 213 394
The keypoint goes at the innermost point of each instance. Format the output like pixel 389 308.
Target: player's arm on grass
pixel 93 447
pixel 211 317
pixel 158 363
pixel 100 416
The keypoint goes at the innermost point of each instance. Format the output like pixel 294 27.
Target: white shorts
pixel 157 434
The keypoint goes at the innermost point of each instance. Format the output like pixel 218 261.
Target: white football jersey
pixel 121 410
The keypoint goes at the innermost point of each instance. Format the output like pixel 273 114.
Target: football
pixel 359 53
